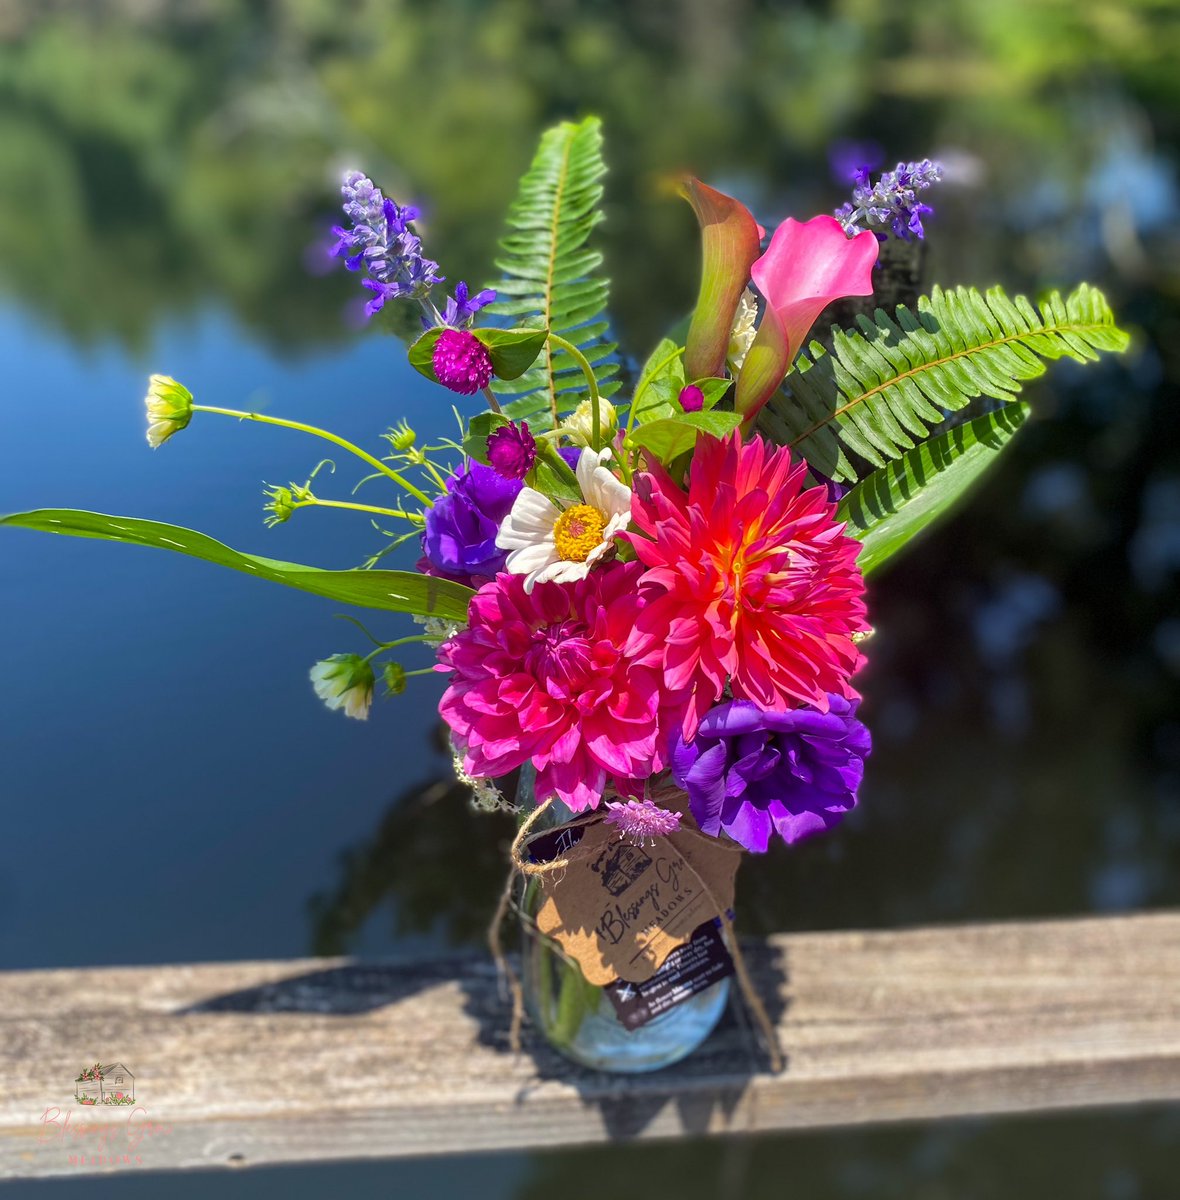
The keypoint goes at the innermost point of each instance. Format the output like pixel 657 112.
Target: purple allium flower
pixel 691 398
pixel 381 243
pixel 459 541
pixel 892 201
pixel 512 450
pixel 462 362
pixel 749 771
pixel 641 820
pixel 460 309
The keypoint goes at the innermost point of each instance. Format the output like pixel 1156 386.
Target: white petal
pixel 531 558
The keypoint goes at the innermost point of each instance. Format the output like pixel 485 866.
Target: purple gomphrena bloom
pixel 892 201
pixel 460 308
pixel 641 820
pixel 749 772
pixel 461 362
pixel 512 450
pixel 691 398
pixel 459 542
pixel 380 242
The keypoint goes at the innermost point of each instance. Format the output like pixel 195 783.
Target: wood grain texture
pixel 279 1062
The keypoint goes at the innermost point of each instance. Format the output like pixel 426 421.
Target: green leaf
pixel 551 475
pixel 883 386
pixel 512 351
pixel 660 382
pixel 421 353
pixel 551 278
pixel 475 441
pixel 393 591
pixel 888 508
pixel 669 437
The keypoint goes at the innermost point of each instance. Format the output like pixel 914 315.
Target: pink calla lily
pixel 807 265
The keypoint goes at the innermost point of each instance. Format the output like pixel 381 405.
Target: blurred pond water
pixel 166 180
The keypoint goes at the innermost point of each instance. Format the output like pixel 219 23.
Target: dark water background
pixel 166 172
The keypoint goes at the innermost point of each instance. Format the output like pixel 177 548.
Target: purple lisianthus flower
pixel 459 542
pixel 748 772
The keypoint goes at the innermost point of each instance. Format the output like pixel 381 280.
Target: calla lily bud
pixel 730 241
pixel 169 409
pixel 345 681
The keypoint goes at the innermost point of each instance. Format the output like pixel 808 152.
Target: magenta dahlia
pixel 544 676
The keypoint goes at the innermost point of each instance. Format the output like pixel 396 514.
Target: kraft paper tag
pixel 619 909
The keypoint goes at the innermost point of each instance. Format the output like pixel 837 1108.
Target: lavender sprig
pixel 892 201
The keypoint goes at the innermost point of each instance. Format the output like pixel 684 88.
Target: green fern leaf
pixel 891 505
pixel 549 272
pixel 882 387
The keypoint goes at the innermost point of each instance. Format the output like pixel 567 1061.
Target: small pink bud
pixel 691 398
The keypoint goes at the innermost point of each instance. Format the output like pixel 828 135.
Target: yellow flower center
pixel 577 531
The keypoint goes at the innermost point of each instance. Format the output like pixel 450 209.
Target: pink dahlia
pixel 750 581
pixel 544 676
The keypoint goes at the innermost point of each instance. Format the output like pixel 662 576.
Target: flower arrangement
pixel 659 574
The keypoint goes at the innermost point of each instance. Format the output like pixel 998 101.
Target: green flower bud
pixel 402 437
pixel 169 409
pixel 395 678
pixel 279 507
pixel 345 681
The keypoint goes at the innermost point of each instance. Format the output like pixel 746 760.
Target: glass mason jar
pixel 577 1017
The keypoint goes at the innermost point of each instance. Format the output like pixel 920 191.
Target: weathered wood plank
pixel 245 1063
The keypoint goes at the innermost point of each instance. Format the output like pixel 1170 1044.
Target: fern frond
pixel 882 387
pixel 549 268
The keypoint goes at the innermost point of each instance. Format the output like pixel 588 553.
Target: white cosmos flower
pixel 548 543
pixel 345 681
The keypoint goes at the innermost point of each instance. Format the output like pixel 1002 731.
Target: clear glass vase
pixel 577 1017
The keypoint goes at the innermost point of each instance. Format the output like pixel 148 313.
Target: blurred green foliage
pixel 155 157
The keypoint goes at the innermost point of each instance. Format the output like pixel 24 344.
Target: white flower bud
pixel 345 681
pixel 169 409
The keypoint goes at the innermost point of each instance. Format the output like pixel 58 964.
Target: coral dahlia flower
pixel 751 581
pixel 543 675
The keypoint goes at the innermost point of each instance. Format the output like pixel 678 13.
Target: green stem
pixel 328 437
pixel 588 371
pixel 316 502
pixel 381 649
pixel 493 403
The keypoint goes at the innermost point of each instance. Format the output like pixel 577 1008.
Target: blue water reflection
pixel 176 789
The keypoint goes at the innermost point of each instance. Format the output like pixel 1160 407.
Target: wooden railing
pixel 280 1062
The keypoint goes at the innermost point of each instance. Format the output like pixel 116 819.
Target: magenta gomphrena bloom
pixel 512 450
pixel 543 676
pixel 641 820
pixel 752 581
pixel 461 362
pixel 691 398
